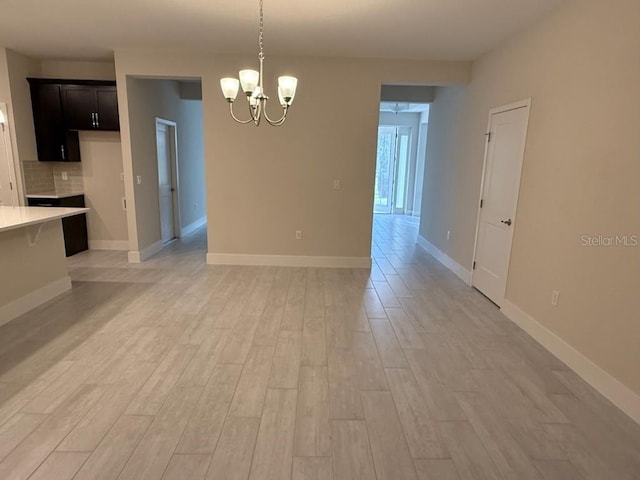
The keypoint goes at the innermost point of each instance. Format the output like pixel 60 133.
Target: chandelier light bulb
pixel 287 88
pixel 230 88
pixel 249 80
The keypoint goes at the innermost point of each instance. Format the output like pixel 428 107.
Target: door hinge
pixel 488 135
pixel 481 203
pixel 474 266
pixel 10 185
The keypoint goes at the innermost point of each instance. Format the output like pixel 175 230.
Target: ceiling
pixel 411 29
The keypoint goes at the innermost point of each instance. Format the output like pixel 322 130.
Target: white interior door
pixel 8 186
pixel 166 182
pixel 501 184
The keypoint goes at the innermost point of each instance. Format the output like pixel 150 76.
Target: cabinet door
pixel 74 228
pixel 53 141
pixel 75 234
pixel 107 102
pixel 80 107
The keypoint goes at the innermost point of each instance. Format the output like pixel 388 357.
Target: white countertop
pixel 18 217
pixel 53 195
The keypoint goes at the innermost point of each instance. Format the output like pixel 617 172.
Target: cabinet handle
pixel 97 120
pixel 93 120
pixel 62 151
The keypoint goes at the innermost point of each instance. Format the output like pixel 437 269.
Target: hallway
pixel 172 369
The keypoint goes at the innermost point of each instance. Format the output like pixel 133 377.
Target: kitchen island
pixel 33 267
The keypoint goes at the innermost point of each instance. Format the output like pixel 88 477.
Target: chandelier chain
pixel 261 36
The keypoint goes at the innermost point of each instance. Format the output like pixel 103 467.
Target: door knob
pixel 506 222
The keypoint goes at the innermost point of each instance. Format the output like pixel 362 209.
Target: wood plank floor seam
pixel 175 370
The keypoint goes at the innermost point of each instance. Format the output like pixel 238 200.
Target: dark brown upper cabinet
pixel 91 107
pixel 63 107
pixel 55 143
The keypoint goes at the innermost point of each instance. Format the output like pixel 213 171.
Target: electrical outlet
pixel 139 179
pixel 337 184
pixel 554 297
pixel 298 234
pixel 65 176
pixel 448 234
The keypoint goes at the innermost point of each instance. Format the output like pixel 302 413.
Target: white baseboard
pixel 34 299
pixel 288 260
pixel 192 227
pixel 446 260
pixel 618 393
pixel 122 245
pixel 138 256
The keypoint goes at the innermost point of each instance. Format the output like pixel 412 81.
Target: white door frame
pixel 6 134
pixel 526 103
pixel 173 160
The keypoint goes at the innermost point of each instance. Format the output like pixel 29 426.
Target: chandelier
pixel 251 81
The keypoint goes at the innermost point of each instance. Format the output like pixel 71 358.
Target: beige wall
pixel 20 67
pixel 33 267
pixel 193 201
pixel 78 70
pixel 265 183
pixel 101 154
pixel 14 91
pixel 451 186
pixel 581 171
pixel 147 99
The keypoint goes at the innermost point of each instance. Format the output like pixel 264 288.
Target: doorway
pixel 504 155
pixel 8 185
pixel 168 195
pixel 400 158
pixel 391 169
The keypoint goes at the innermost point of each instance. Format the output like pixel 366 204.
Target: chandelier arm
pixel 280 121
pixel 244 122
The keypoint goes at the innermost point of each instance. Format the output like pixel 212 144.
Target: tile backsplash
pixel 38 177
pixel 41 177
pixel 73 183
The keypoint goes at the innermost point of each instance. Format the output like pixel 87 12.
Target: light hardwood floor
pixel 174 370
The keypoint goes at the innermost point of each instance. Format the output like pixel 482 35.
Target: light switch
pixel 65 176
pixel 139 179
pixel 337 184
